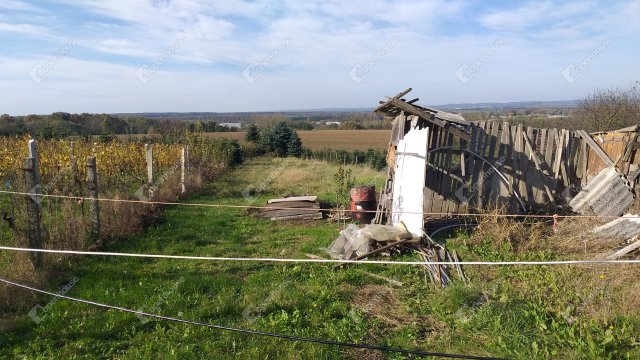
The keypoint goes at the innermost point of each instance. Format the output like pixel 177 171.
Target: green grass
pixel 514 312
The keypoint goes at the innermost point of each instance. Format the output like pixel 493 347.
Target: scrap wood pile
pixel 356 243
pixel 291 208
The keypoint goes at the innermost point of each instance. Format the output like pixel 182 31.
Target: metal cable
pixel 253 332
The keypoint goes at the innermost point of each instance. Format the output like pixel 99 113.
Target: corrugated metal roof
pixel 625 227
pixel 608 194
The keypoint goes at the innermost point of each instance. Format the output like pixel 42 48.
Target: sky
pixel 225 56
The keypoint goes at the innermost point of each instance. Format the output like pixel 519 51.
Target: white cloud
pixel 17 5
pixel 24 29
pixel 533 13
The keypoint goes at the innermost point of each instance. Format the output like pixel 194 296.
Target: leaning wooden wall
pixel 542 167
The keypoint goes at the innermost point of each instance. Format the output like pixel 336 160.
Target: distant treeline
pixel 61 124
pixel 377 159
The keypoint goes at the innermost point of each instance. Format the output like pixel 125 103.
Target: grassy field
pixel 517 312
pixel 332 139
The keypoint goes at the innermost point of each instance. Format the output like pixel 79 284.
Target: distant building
pixel 235 125
pixel 332 123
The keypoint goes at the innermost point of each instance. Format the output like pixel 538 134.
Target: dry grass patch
pixel 382 303
pixel 501 230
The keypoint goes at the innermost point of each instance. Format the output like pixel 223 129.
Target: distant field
pixel 331 139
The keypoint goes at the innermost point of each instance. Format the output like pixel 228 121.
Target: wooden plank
pixel 472 147
pixel 543 142
pixel 518 162
pixel 585 161
pixel 437 162
pixel 492 191
pixel 538 164
pixel 447 180
pixel 596 148
pixel 287 212
pixel 296 204
pixel 428 200
pixel 482 166
pixel 527 187
pixel 558 154
pixel 565 155
pixel 431 157
pixel 316 216
pixel 572 164
pixel 293 199
pixel 496 182
pixel 536 177
pixel 437 203
pixel 506 153
pixel 551 146
pixel 446 172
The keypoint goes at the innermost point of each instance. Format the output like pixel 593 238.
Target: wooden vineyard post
pixel 183 166
pixel 186 157
pixel 149 153
pixel 34 210
pixel 92 184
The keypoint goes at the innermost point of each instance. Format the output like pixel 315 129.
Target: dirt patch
pixel 381 303
pixel 363 354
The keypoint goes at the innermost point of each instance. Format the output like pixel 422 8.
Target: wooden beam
pixel 429 117
pixel 388 102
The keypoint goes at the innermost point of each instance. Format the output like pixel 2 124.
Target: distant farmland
pixel 331 139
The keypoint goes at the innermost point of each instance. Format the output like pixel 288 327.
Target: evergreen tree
pixel 252 134
pixel 281 140
pixel 295 145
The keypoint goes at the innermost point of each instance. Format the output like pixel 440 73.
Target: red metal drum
pixel 363 203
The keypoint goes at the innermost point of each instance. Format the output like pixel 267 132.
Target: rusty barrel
pixel 363 203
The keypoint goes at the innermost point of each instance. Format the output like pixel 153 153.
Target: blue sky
pixel 193 55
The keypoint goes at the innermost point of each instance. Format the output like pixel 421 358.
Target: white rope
pixel 148 202
pixel 330 261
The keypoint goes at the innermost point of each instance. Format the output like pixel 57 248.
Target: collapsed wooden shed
pixel 478 165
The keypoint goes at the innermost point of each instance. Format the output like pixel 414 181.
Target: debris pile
pixel 356 243
pixel 292 208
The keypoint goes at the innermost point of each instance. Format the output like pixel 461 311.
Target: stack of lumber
pixel 300 207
